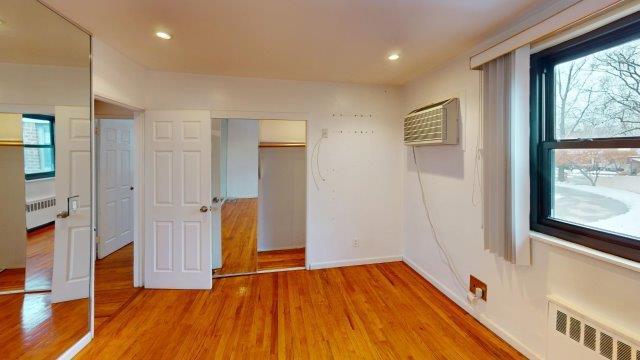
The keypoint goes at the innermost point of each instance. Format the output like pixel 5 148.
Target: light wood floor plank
pixel 382 311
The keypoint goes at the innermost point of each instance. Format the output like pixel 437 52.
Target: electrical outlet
pixel 325 133
pixel 356 242
pixel 475 283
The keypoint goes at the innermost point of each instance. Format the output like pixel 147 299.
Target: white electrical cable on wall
pixel 316 153
pixel 427 212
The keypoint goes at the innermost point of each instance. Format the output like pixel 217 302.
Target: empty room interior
pixel 412 179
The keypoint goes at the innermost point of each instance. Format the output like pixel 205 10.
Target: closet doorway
pixel 259 187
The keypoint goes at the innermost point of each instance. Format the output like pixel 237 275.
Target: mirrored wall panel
pixel 45 162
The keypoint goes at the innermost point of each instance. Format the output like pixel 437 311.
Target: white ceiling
pixel 320 40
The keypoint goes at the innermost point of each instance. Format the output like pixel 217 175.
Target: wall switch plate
pixel 475 283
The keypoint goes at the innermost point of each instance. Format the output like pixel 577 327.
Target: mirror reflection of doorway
pixel 260 192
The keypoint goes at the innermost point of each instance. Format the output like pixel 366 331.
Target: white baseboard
pixel 290 247
pixel 352 262
pixel 75 349
pixel 483 319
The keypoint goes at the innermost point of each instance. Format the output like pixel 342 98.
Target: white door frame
pixel 271 115
pixel 138 193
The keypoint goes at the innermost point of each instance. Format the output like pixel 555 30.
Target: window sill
pixel 583 250
pixel 40 179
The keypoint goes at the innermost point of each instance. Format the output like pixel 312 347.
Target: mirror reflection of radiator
pixel 40 212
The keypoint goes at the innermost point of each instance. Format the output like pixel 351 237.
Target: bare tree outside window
pixel 598 96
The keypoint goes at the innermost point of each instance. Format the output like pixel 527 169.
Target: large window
pixel 39 146
pixel 585 139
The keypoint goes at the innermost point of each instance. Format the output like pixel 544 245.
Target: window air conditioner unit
pixel 435 124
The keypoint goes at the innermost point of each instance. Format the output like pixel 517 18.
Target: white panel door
pixel 72 243
pixel 178 199
pixel 115 210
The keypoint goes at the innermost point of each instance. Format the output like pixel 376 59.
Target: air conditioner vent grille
pixel 433 124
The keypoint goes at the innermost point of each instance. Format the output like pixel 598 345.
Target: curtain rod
pixel 475 65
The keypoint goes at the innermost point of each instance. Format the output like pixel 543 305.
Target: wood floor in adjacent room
pixel 382 311
pixel 280 259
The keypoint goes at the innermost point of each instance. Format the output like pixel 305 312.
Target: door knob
pixel 62 214
pixel 204 209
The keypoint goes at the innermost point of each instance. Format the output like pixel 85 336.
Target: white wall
pixel 282 202
pixel 242 158
pixel 517 295
pixel 116 77
pixel 360 161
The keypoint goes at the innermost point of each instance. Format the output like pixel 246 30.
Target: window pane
pixel 598 188
pixel 36 132
pixel 38 160
pixel 599 95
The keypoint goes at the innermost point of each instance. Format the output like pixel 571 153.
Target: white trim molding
pixel 76 348
pixel 353 262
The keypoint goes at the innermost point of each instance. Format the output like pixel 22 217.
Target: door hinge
pixel 97 131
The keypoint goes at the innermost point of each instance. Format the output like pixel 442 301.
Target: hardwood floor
pixel 239 234
pixel 382 311
pixel 113 284
pixel 33 328
pixel 39 264
pixel 281 259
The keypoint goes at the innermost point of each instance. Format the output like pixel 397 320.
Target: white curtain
pixel 505 156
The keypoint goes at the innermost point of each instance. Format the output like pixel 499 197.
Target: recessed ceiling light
pixel 393 57
pixel 163 35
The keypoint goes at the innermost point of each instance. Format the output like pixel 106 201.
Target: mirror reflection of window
pixel 39 148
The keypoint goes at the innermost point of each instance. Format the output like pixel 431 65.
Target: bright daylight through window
pixel 586 141
pixel 598 96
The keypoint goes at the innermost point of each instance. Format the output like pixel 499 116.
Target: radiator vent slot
pixel 434 124
pixel 606 346
pixel 574 335
pixel 590 337
pixel 575 329
pixel 41 204
pixel 561 322
pixel 624 351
